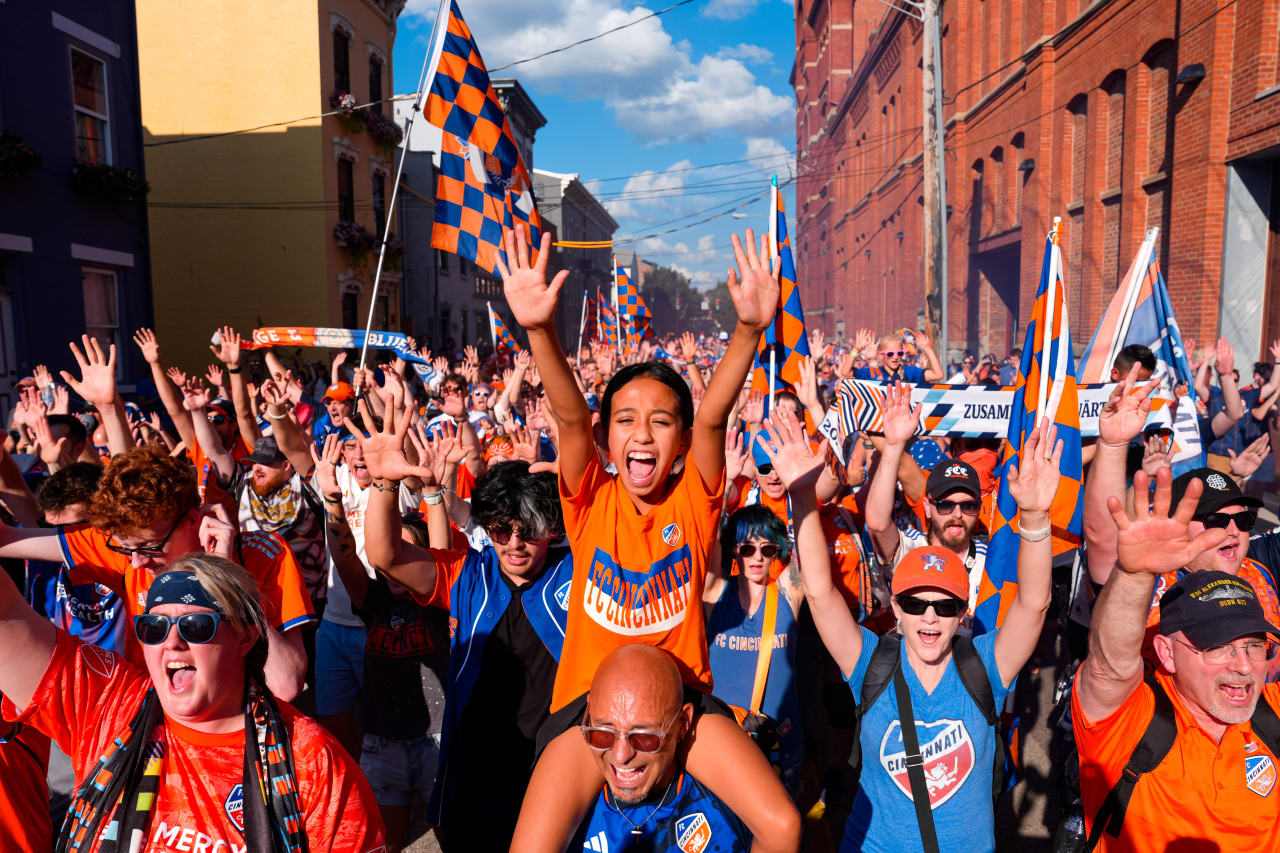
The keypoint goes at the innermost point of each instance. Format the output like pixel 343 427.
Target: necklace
pixel 637 829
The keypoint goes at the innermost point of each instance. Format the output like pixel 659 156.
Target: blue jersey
pixel 693 821
pixel 906 373
pixel 733 646
pixel 90 611
pixel 958 748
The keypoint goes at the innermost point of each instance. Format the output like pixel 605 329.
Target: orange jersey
pixel 266 556
pixel 1206 794
pixel 206 482
pixel 850 570
pixel 637 578
pixel 24 794
pixel 778 506
pixel 87 696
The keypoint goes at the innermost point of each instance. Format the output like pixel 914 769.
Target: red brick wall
pixel 1117 148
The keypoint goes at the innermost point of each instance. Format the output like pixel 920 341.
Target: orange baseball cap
pixel 340 391
pixel 932 567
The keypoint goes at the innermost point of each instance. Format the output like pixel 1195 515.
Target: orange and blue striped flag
pixel 786 336
pixel 632 310
pixel 483 187
pixel 1046 387
pixel 502 337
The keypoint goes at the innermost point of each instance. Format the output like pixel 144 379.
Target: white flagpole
pixel 493 328
pixel 773 253
pixel 423 87
pixel 582 323
pixel 1137 273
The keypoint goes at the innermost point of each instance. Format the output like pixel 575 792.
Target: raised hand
pixel 228 349
pixel 688 346
pixel 195 395
pixel 392 390
pixel 439 452
pixel 97 382
pixel 1225 359
pixel 863 339
pixel 845 368
pixel 1156 454
pixel 326 462
pixel 522 361
pixel 61 401
pixel 899 419
pixel 1275 351
pixel 1125 413
pixel 216 534
pixel 923 342
pixel 146 341
pixel 524 444
pixel 754 286
pixel 176 376
pixel 531 299
pixel 50 450
pixel 1251 459
pixel 42 376
pixel 384 448
pixel 817 343
pixel 1149 539
pixel 470 356
pixel 1033 477
pixel 214 375
pixel 735 456
pixel 788 449
pixel 807 387
pixel 753 411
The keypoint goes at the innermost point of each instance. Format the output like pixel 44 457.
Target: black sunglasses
pixel 217 420
pixel 152 629
pixel 1219 520
pixel 966 507
pixel 946 608
pixel 746 549
pixel 764 470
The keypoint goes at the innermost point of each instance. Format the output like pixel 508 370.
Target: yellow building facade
pixel 249 180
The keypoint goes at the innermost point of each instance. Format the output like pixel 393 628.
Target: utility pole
pixel 935 180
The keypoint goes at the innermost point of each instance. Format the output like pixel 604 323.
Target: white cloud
pixel 747 52
pixel 706 242
pixel 698 278
pixel 656 89
pixel 771 156
pixel 729 9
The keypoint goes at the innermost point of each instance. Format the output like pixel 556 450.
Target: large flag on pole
pixel 607 330
pixel 1141 313
pixel 483 186
pixel 786 339
pixel 1046 387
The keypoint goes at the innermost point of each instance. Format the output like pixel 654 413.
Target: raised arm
pixel 195 399
pixel 169 396
pixel 97 385
pixel 1033 481
pixel 1149 543
pixel 511 392
pixel 932 373
pixel 533 302
pixel 1120 420
pixel 338 536
pixel 28 640
pixel 289 437
pixel 798 467
pixel 754 289
pixel 14 492
pixel 228 352
pixel 900 422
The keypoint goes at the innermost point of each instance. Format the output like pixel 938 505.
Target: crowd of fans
pixel 619 601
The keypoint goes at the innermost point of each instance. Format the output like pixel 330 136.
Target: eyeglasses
pixel 217 420
pixel 966 507
pixel 946 608
pixel 893 353
pixel 746 549
pixel 1220 520
pixel 451 391
pixel 1256 650
pixel 156 550
pixel 152 629
pixel 641 740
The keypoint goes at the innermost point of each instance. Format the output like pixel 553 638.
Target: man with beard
pixel 1210 788
pixel 953 498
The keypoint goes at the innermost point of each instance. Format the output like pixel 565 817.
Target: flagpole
pixel 582 325
pixel 617 313
pixel 395 186
pixel 1046 333
pixel 773 253
pixel 1140 265
pixel 493 328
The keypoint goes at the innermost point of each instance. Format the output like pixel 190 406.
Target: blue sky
pixel 642 115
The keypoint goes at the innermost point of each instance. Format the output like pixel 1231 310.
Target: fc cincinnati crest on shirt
pixel 633 603
pixel 948 756
pixel 671 534
pixel 1259 774
pixel 693 833
pixel 562 595
pixel 234 806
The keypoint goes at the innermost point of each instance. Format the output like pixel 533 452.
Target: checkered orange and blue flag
pixel 1046 387
pixel 632 310
pixel 607 325
pixel 502 338
pixel 786 336
pixel 483 187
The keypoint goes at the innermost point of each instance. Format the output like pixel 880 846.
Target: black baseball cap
pixel 265 452
pixel 952 475
pixel 1219 491
pixel 1213 608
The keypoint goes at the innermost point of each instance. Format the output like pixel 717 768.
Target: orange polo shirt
pixel 1205 794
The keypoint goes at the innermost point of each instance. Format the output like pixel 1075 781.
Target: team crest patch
pixel 234 806
pixel 1260 774
pixel 671 534
pixel 934 562
pixel 947 751
pixel 99 660
pixel 562 595
pixel 693 833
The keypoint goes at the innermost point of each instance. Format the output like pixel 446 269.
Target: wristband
pixel 330 500
pixel 433 498
pixel 277 417
pixel 235 369
pixel 1035 535
pixel 393 488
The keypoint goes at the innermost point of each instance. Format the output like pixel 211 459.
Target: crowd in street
pixel 617 600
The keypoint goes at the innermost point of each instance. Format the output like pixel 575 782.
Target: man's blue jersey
pixel 693 820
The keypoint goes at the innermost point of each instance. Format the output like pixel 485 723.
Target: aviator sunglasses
pixel 946 608
pixel 152 629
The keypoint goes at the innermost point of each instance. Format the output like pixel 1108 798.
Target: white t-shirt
pixel 355 499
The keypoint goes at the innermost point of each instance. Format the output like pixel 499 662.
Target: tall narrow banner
pixel 502 338
pixel 1046 389
pixel 786 338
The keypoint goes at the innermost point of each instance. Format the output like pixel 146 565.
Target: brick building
pixel 1116 115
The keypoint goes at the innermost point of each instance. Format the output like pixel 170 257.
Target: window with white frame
pixel 89 98
pixel 101 305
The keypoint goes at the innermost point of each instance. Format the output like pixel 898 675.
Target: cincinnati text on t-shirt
pixel 736 643
pixel 410 640
pixel 630 602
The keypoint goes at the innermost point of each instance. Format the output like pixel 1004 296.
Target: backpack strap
pixel 915 764
pixel 880 669
pixel 973 675
pixel 1154 745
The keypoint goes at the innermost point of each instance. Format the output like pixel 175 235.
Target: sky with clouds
pixel 669 122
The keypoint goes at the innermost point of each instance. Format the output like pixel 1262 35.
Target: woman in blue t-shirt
pixel 930 588
pixel 755 548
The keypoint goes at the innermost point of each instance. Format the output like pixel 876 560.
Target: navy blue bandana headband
pixel 179 587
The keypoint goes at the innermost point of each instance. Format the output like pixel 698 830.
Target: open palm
pixel 1149 539
pixel 754 286
pixel 1033 482
pixel 531 299
pixel 795 463
pixel 1125 413
pixel 97 383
